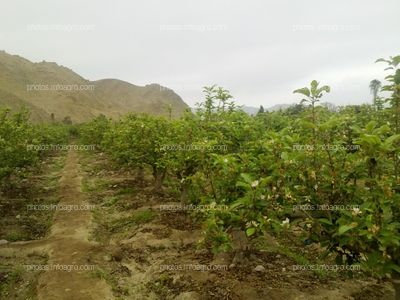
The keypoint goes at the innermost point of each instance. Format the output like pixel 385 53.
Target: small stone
pixel 283 269
pixel 3 242
pixel 231 266
pixel 18 216
pixel 259 269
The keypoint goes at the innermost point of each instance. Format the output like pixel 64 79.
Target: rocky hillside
pixel 51 91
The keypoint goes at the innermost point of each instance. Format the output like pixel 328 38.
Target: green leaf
pixel 240 202
pixel 307 124
pixel 397 77
pixel 382 60
pixel 325 88
pixel 369 139
pixel 370 126
pixel 390 140
pixel 395 267
pixel 325 221
pixel 304 91
pixel 242 184
pixel 344 228
pixel 314 87
pixel 250 231
pixel 285 156
pixel 396 60
pixel 246 178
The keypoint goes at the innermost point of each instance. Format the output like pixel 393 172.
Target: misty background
pixel 259 50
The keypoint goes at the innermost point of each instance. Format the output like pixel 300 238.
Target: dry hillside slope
pixel 110 97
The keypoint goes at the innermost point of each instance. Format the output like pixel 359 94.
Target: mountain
pixel 278 107
pixel 254 110
pixel 250 109
pixel 49 91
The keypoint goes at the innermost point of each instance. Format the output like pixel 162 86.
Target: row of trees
pixel 264 168
pixel 20 143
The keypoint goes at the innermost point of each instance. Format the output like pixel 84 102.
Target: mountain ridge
pixel 51 91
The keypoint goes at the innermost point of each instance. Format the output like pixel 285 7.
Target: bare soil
pixel 140 256
pixel 140 251
pixel 67 246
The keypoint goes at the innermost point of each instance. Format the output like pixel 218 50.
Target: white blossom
pixel 286 222
pixel 356 211
pixel 254 183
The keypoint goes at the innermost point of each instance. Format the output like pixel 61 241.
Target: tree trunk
pixel 159 176
pixel 184 192
pixel 140 175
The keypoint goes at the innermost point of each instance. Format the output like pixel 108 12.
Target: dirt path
pixel 68 245
pixel 138 240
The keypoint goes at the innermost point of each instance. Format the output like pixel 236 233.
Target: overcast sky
pixel 260 50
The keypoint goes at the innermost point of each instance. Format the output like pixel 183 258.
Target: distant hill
pixel 48 89
pixel 254 110
pixel 251 110
pixel 278 107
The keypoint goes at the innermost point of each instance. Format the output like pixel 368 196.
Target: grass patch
pixel 135 219
pixel 111 280
pixel 9 280
pixel 101 232
pixel 59 163
pixel 14 236
pixel 126 191
pixel 97 185
pixel 15 281
pixel 162 286
pixel 298 257
pixel 304 261
pixel 110 201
